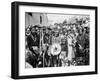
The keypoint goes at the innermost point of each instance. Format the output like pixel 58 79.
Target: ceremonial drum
pixel 55 49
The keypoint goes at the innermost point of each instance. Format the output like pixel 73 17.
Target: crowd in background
pixel 72 37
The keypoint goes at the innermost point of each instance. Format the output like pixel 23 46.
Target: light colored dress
pixel 70 48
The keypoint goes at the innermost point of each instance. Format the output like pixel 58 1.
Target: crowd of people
pixel 62 44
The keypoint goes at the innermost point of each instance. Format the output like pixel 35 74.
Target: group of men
pixel 53 47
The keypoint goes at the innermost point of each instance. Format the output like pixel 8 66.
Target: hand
pixel 35 47
pixel 80 47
